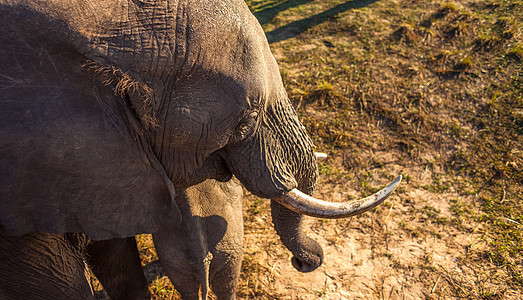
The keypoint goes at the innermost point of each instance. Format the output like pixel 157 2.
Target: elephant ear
pixel 71 157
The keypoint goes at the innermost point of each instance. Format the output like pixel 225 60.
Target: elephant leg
pixel 116 264
pixel 43 266
pixel 187 286
pixel 225 281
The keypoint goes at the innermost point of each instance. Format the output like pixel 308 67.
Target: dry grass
pixel 429 89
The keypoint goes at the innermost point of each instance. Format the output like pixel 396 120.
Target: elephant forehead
pixel 228 41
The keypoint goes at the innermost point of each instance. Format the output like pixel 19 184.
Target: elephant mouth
pixel 214 167
pixel 220 171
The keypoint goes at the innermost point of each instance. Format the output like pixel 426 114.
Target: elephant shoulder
pixel 69 159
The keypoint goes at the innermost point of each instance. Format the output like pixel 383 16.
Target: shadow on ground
pixel 297 27
pixel 265 15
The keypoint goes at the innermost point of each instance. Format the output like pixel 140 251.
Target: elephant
pixel 43 265
pixel 108 108
pixel 206 248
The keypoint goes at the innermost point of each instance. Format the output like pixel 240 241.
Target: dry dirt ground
pixel 427 89
pixel 393 252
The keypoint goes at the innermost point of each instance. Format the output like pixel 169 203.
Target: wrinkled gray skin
pixel 108 107
pixel 31 269
pixel 205 249
pixel 53 266
pixel 208 247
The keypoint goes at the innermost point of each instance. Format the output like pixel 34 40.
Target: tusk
pixel 307 205
pixel 320 156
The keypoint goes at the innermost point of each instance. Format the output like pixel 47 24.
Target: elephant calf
pixel 208 246
pixel 205 249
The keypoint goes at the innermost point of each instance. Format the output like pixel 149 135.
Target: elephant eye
pixel 246 126
pixel 242 129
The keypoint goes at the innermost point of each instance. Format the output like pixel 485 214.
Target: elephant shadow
pixel 295 28
pixel 191 242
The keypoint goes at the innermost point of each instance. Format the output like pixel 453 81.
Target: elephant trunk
pixel 307 253
pixel 276 160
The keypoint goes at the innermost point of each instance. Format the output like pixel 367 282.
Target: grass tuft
pixel 516 53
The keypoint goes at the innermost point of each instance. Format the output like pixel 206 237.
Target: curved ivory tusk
pixel 307 205
pixel 320 155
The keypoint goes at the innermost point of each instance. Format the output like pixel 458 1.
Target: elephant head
pixel 183 91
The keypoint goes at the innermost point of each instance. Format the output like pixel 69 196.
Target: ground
pixel 428 89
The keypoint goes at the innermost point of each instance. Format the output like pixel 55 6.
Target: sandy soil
pixel 393 252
